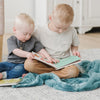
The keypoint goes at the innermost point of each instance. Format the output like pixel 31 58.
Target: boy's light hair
pixel 24 19
pixel 63 13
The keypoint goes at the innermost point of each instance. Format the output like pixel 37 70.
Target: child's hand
pixel 76 53
pixel 52 60
pixel 44 55
pixel 30 56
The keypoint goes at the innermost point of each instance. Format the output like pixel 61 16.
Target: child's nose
pixel 60 30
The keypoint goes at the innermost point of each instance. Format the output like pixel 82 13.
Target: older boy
pixel 20 46
pixel 58 38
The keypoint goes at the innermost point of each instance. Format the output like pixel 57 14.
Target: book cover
pixel 7 82
pixel 61 64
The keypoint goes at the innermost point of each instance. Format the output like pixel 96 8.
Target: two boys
pixel 57 37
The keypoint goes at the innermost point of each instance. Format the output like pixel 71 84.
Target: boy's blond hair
pixel 63 13
pixel 24 19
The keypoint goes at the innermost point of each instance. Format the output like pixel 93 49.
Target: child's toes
pixel 23 75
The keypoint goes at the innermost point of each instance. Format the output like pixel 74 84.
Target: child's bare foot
pixel 24 75
pixel 1 76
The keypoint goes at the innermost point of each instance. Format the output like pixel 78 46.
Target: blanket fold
pixel 86 81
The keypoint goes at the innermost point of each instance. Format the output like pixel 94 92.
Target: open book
pixel 7 82
pixel 61 64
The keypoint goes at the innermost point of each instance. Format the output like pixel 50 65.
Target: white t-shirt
pixel 57 44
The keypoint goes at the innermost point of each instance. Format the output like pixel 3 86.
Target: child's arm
pixel 44 54
pixel 75 51
pixel 23 54
pixel 13 48
pixel 75 43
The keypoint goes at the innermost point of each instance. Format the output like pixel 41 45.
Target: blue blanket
pixel 88 80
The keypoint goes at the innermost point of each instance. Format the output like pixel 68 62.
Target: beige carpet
pixel 47 93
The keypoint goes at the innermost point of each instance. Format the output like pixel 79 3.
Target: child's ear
pixel 14 29
pixel 50 17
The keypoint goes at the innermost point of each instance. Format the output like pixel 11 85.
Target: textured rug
pixel 46 93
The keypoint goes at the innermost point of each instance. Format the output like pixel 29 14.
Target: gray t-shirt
pixel 31 45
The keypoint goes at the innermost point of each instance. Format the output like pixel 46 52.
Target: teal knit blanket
pixel 86 81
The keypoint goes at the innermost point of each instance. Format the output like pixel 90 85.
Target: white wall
pixel 41 11
pixel 13 8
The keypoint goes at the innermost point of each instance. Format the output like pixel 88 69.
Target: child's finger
pixel 78 54
pixel 33 55
pixel 55 61
pixel 49 59
pixel 43 55
pixel 24 75
pixel 43 59
pixel 74 54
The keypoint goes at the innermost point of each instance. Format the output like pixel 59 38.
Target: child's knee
pixel 19 68
pixel 30 65
pixel 73 71
pixel 67 72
